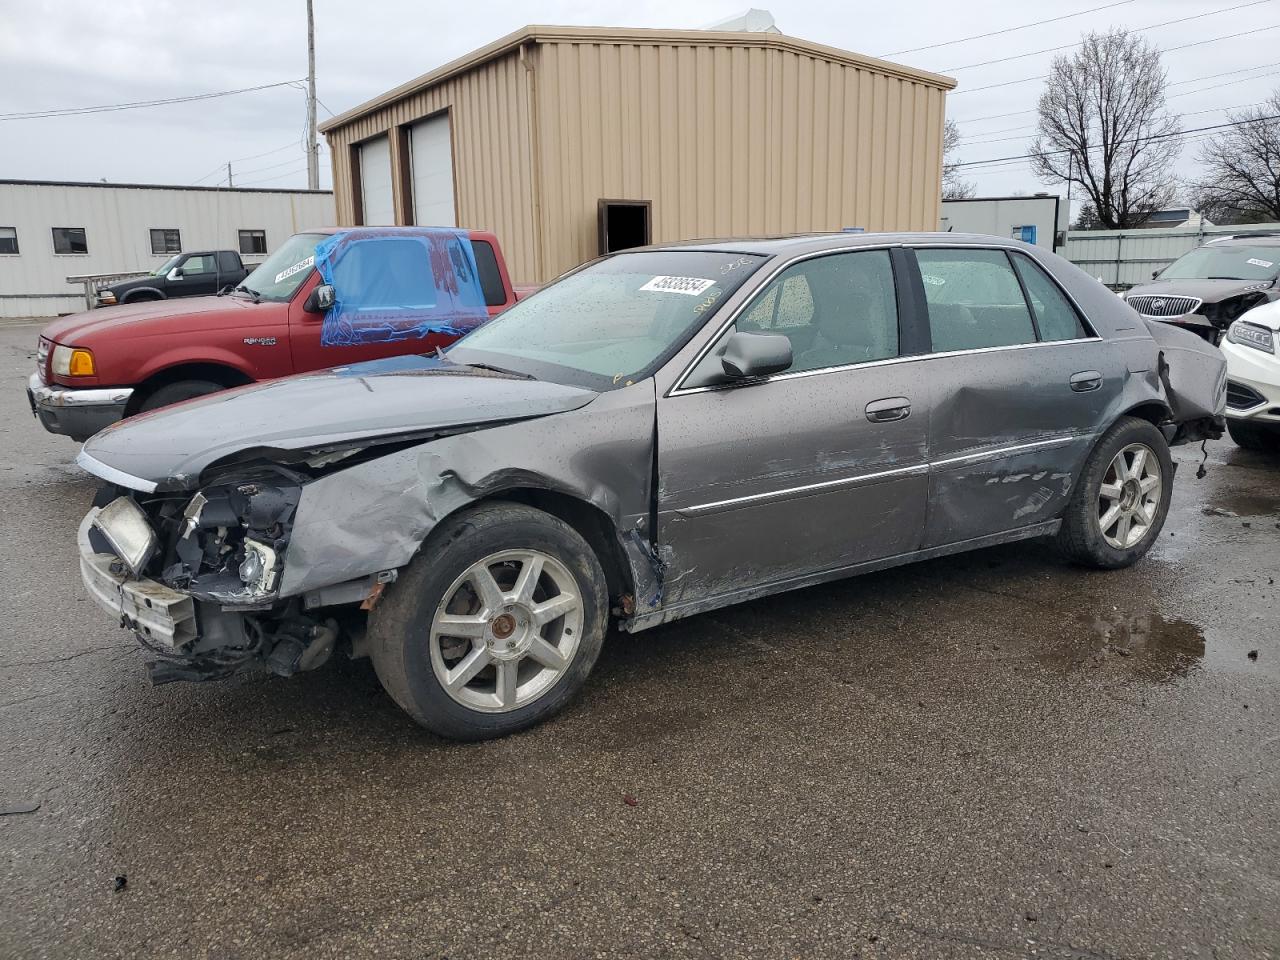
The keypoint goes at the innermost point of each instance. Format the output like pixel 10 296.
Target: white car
pixel 1253 378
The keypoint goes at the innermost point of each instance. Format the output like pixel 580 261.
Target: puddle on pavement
pixel 1243 504
pixel 1147 644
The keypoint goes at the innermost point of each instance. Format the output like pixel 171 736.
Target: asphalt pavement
pixel 992 755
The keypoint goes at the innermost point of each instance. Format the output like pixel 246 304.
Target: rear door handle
pixel 1086 380
pixel 890 408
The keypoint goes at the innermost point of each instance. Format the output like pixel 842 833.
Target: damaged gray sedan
pixel 657 434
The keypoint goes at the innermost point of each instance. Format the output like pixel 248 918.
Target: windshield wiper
pixel 490 366
pixel 1226 278
pixel 257 297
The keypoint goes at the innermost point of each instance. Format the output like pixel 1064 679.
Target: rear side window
pixel 1055 316
pixel 974 299
pixel 495 295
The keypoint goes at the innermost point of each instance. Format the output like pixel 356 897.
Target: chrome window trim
pixel 109 473
pixel 681 390
pixel 863 478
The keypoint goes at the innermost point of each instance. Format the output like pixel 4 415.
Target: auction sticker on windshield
pixel 690 286
pixel 1265 264
pixel 298 267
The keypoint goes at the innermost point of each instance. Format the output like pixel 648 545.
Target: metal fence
pixel 1124 258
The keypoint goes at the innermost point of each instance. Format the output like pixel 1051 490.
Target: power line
pixel 136 104
pixel 280 176
pixel 996 33
pixel 1158 136
pixel 1185 46
pixel 1153 26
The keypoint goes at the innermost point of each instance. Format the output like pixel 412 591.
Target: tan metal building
pixel 571 141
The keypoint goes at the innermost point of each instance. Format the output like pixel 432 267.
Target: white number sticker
pixel 1265 264
pixel 690 286
pixel 298 267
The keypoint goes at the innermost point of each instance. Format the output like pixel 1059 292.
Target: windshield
pixel 612 322
pixel 1222 262
pixel 279 276
pixel 165 267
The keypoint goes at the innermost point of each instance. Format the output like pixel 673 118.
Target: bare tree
pixel 1103 125
pixel 954 187
pixel 1240 179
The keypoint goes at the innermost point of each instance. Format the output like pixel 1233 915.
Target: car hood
pixel 1210 291
pixel 79 329
pixel 1267 315
pixel 380 401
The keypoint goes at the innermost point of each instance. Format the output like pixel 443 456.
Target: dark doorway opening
pixel 624 224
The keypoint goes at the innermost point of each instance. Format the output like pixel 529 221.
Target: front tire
pixel 1253 436
pixel 1121 500
pixel 494 626
pixel 177 392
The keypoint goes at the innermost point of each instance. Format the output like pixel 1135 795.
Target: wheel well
pixel 591 523
pixel 214 372
pixel 133 296
pixel 1153 412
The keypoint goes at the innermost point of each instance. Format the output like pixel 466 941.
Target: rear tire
pixel 177 392
pixel 1253 436
pixel 1121 500
pixel 494 626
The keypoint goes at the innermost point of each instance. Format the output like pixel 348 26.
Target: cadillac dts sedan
pixel 659 433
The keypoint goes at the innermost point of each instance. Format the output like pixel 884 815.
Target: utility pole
pixel 313 150
pixel 230 182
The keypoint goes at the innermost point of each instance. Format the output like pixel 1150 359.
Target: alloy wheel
pixel 1129 498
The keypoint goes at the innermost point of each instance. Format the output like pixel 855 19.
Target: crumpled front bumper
pixel 158 614
pixel 74 412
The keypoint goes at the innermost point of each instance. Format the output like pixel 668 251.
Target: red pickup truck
pixel 325 298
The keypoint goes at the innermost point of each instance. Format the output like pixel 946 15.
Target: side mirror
pixel 748 355
pixel 320 300
pixel 174 274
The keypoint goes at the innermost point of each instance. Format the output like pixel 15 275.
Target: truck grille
pixel 1150 306
pixel 1240 397
pixel 42 359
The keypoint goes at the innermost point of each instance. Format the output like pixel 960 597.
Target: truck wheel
pixel 1254 436
pixel 176 392
pixel 1122 498
pixel 494 626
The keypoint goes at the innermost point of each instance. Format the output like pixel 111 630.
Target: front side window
pixel 195 266
pixel 166 241
pixel 69 240
pixel 835 310
pixel 974 300
pixel 1055 316
pixel 611 322
pixel 8 241
pixel 253 241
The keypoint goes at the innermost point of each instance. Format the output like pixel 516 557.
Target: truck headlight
pixel 1252 335
pixel 128 531
pixel 106 298
pixel 73 362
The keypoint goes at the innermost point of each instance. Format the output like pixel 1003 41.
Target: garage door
pixel 431 157
pixel 375 183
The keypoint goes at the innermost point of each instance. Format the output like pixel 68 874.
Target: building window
pixel 69 240
pixel 8 241
pixel 166 241
pixel 253 241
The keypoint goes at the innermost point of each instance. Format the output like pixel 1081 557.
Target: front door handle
pixel 890 408
pixel 1086 380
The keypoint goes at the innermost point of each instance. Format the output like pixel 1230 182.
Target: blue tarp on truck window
pixel 395 285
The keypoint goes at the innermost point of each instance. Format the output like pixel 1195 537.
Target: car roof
pixel 796 244
pixel 1248 240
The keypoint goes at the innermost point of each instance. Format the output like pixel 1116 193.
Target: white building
pixel 1041 220
pixel 50 231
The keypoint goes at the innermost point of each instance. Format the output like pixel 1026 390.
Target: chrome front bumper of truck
pixel 158 614
pixel 74 412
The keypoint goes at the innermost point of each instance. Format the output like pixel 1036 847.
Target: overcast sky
pixel 74 53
